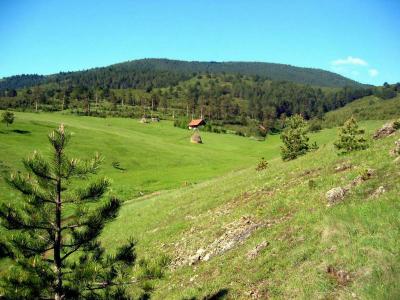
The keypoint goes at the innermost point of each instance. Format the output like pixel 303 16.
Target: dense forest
pixel 245 104
pixel 154 73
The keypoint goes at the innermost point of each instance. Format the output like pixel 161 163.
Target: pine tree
pixel 56 253
pixel 294 138
pixel 351 137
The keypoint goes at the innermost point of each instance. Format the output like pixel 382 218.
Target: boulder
pixel 335 195
pixel 386 130
pixel 379 191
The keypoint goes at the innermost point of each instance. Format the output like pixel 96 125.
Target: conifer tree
pixel 52 236
pixel 351 137
pixel 294 138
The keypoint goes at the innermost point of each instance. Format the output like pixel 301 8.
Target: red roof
pixel 196 122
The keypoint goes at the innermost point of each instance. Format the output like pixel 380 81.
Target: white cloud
pixel 373 72
pixel 350 60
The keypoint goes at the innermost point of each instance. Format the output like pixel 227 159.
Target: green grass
pixel 156 156
pixel 367 108
pixel 360 235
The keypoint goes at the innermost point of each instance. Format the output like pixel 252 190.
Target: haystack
pixel 196 138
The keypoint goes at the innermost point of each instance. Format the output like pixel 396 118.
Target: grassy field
pixel 211 200
pixel 155 156
pixel 304 237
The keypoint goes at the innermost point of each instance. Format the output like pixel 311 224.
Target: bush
pixel 7 117
pixel 262 165
pixel 314 125
pixel 294 138
pixel 351 137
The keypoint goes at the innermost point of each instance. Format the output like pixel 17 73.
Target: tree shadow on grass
pixel 21 131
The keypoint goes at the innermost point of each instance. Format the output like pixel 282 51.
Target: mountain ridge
pixel 165 72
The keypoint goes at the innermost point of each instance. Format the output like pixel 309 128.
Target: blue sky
pixel 358 39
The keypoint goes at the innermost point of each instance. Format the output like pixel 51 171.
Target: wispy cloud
pixel 354 67
pixel 350 60
pixel 373 72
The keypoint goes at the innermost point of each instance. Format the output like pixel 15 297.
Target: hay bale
pixel 196 138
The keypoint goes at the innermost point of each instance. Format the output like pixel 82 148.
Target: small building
pixel 196 123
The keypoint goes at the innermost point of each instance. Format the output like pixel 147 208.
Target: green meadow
pixel 181 198
pixel 150 157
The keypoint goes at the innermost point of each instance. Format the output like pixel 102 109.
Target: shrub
pixel 262 165
pixel 7 117
pixel 351 137
pixel 294 138
pixel 315 125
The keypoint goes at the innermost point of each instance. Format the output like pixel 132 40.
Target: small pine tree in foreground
pixel 7 117
pixel 351 137
pixel 294 138
pixel 54 252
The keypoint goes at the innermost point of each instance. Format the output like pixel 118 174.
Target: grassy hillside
pixel 350 250
pixel 259 234
pixel 304 236
pixel 367 108
pixel 154 156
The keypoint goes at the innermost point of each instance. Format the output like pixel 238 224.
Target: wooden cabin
pixel 196 123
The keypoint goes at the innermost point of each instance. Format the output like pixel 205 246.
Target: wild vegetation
pixel 44 240
pixel 243 102
pixel 227 218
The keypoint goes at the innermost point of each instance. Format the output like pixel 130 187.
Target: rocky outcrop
pixel 335 195
pixel 386 130
pixel 252 254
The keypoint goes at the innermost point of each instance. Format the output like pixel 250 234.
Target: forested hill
pixel 153 73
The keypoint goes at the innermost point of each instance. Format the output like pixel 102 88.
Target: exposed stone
pixel 252 254
pixel 335 195
pixel 386 130
pixel 343 167
pixel 396 151
pixel 235 234
pixel 366 175
pixel 379 191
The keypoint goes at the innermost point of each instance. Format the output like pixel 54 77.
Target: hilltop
pixel 165 72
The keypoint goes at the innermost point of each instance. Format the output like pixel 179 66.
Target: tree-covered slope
pixel 149 73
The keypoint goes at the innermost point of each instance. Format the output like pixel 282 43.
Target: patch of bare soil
pixel 340 276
